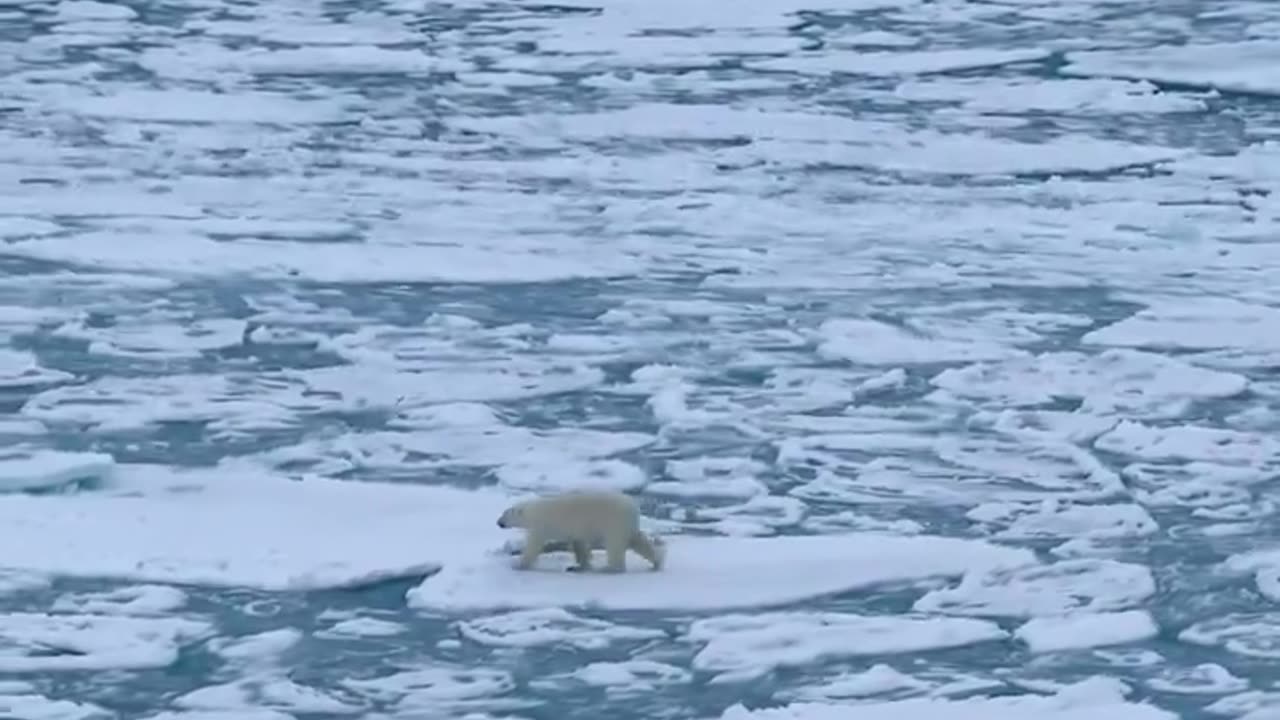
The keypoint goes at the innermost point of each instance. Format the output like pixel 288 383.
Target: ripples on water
pixel 985 288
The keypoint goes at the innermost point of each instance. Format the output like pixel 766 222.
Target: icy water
pixel 938 338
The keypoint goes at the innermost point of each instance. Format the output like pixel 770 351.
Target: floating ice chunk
pixel 162 525
pixel 160 337
pixel 528 459
pixel 20 369
pixel 847 521
pixel 92 642
pixel 192 60
pixel 722 478
pixel 1203 679
pixel 883 64
pixel 882 680
pixel 1246 66
pixel 1038 590
pixel 70 10
pixel 362 627
pixel 35 469
pixel 1250 634
pixel 227 402
pixel 435 688
pixel 1191 442
pixel 758 515
pixel 745 646
pixel 1134 384
pixel 178 105
pixel 30 706
pixel 1248 705
pixel 630 676
pixel 550 626
pixel 1093 698
pixel 239 714
pixel 1265 566
pixel 1019 95
pixel 368 385
pixel 1053 518
pixel 879 679
pixel 1078 631
pixel 1203 323
pixel 134 600
pixel 192 255
pixel 258 650
pixel 560 474
pixel 267 692
pixel 715 573
pixel 868 342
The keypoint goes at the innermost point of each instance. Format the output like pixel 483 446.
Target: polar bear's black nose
pixel 501 524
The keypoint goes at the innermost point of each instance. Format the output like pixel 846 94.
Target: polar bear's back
pixel 585 513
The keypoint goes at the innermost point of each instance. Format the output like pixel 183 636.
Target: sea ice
pixel 1087 97
pixel 1125 382
pixel 1092 698
pixel 899 63
pixel 132 600
pixel 37 469
pixel 154 524
pixel 869 342
pixel 31 706
pixel 631 676
pixel 1243 66
pixel 358 627
pixel 711 573
pixel 93 642
pixel 436 688
pixel 550 626
pixel 1044 590
pixel 1078 631
pixel 21 369
pixel 1200 323
pixel 1255 635
pixel 1202 679
pixel 745 646
pixel 1191 443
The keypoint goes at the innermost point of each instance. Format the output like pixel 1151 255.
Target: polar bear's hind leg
pixel 651 549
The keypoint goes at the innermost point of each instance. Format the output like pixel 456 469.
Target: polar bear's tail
pixel 650 547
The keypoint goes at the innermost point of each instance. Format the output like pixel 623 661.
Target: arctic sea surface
pixel 939 339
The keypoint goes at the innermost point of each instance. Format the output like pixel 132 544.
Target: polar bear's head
pixel 512 517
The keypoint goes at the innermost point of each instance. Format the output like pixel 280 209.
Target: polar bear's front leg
pixel 533 544
pixel 581 555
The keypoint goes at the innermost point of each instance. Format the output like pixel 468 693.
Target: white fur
pixel 584 518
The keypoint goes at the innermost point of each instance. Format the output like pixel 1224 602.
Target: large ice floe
pixel 712 573
pixel 235 529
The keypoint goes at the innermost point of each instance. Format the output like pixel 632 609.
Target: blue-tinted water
pixel 618 186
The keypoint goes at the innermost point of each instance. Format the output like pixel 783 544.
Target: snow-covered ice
pixel 234 529
pixel 710 573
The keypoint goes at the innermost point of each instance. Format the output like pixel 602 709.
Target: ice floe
pixel 37 469
pixel 1044 590
pixel 1095 697
pixel 1243 66
pixel 713 573
pixel 38 643
pixel 228 529
pixel 746 646
pixel 1086 630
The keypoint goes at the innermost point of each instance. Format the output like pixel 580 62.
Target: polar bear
pixel 583 518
